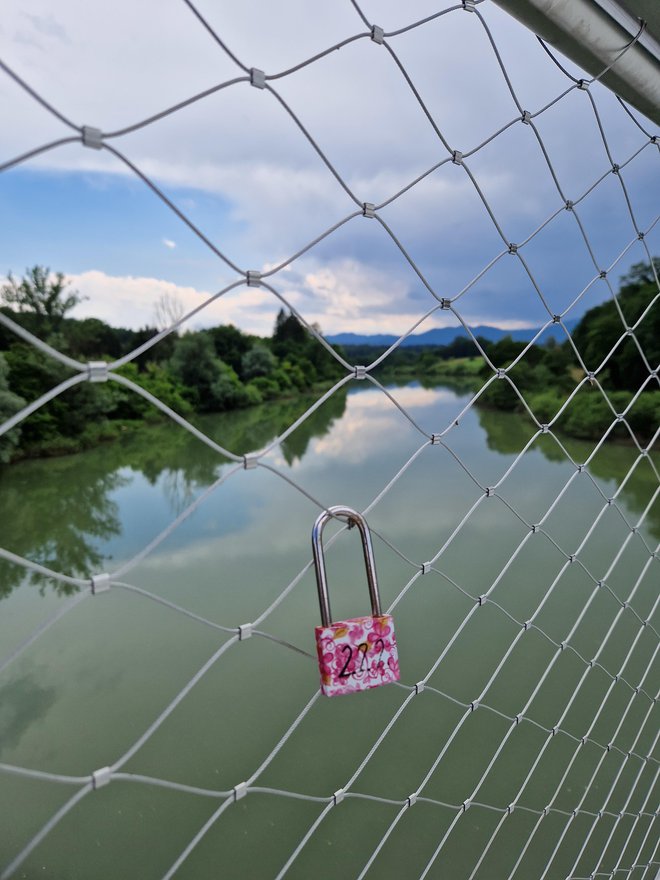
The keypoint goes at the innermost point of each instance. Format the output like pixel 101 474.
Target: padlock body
pixel 357 654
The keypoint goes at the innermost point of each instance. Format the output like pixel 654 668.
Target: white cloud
pixel 347 288
pixel 369 421
pixel 130 302
pixel 277 193
pixel 496 321
pixel 323 296
pixel 340 296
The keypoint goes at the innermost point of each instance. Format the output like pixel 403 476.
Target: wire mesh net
pixel 543 762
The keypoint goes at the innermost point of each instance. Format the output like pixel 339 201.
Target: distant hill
pixel 446 335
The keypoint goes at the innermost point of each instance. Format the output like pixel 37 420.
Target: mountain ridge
pixel 446 335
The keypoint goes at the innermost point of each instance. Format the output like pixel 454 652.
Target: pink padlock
pixel 359 653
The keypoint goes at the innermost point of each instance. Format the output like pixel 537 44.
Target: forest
pixel 618 363
pixel 203 371
pixel 222 368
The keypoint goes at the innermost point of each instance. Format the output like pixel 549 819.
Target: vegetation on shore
pixel 205 371
pixel 620 364
pixel 222 368
pixel 548 373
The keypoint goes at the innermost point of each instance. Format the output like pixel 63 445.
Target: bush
pixel 283 380
pixel 644 416
pixel 10 404
pixel 31 375
pixel 157 381
pixel 545 405
pixel 267 387
pixel 295 376
pixel 587 416
pixel 128 404
pixel 501 395
pixel 254 396
pixel 227 392
pixel 258 361
pixel 210 384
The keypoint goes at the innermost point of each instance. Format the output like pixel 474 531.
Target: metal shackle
pixel 319 561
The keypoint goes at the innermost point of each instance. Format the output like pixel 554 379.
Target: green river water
pixel 80 696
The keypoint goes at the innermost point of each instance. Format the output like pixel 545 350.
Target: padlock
pixel 359 653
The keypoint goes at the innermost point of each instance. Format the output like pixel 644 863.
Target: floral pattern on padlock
pixel 357 654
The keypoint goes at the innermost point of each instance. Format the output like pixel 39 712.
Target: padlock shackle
pixel 319 560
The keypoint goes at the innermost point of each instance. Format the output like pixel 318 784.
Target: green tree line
pixel 206 371
pixel 622 363
pixel 222 368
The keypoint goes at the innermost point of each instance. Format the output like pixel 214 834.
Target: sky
pixel 237 165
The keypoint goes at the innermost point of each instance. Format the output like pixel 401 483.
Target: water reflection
pixel 53 513
pixel 507 434
pixel 87 689
pixel 63 513
pixel 372 424
pixel 24 701
pixel 60 512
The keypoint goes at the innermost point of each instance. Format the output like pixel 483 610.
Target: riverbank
pixel 216 370
pixel 586 414
pixel 221 369
pixel 96 434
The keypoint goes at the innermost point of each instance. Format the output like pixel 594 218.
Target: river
pixel 82 694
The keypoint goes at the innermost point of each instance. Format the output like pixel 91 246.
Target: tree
pixel 195 365
pixel 640 274
pixel 211 384
pixel 57 426
pixel 601 329
pixel 156 354
pixel 10 404
pixel 91 339
pixel 45 295
pixel 168 310
pixel 230 344
pixel 289 334
pixel 258 361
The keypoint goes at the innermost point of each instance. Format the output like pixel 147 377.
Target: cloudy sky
pixel 237 165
